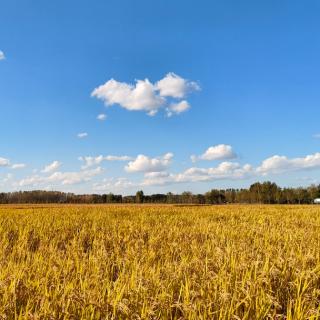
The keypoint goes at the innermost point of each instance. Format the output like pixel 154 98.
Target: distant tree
pixel 139 196
pixel 230 195
pixel 314 191
pixel 199 199
pixel 215 197
pixel 256 192
pixel 288 195
pixel 157 198
pixel 302 195
pixel 186 197
pixel 269 192
pixel 265 192
pixel 170 197
pixel 243 196
pixel 128 199
pixel 110 198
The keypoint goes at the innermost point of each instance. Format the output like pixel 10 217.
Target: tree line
pixel 264 193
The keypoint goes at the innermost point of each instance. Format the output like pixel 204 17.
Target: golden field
pixel 160 262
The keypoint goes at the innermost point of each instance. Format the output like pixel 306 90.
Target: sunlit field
pixel 160 262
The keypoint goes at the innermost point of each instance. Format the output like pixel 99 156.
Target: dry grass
pixel 160 262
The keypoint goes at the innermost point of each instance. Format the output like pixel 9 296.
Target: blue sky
pixel 234 83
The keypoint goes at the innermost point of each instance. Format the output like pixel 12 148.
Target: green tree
pixel 139 196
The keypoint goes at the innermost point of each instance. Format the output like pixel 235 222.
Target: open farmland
pixel 160 262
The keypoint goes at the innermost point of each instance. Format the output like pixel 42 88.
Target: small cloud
pixel 177 108
pixel 82 135
pixel 52 167
pixel 2 56
pixel 4 162
pixel 114 184
pixel 316 136
pixel 101 117
pixel 143 163
pixel 18 166
pixel 218 152
pixel 194 158
pixel 174 86
pixel 92 161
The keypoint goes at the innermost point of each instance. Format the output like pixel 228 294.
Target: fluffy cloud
pixel 92 161
pixel 155 171
pixel 177 108
pixel 82 135
pixel 146 96
pixel 158 179
pixel 101 117
pixel 65 178
pixel 145 164
pixel 52 167
pixel 2 56
pixel 174 86
pixel 224 171
pixel 281 164
pixel 109 185
pixel 218 152
pixel 131 97
pixel 4 162
pixel 155 175
pixel 18 166
pixel 6 180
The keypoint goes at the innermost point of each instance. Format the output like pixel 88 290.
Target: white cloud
pixel 92 161
pixel 8 177
pixel 224 171
pixel 101 117
pixel 218 152
pixel 146 96
pixel 64 178
pixel 110 185
pixel 155 171
pixel 6 180
pixel 18 166
pixel 140 96
pixel 177 108
pixel 158 178
pixel 52 166
pixel 152 175
pixel 4 162
pixel 117 158
pixel 2 56
pixel 174 86
pixel 145 164
pixel 82 135
pixel 75 177
pixel 316 136
pixel 281 164
pixel 32 180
